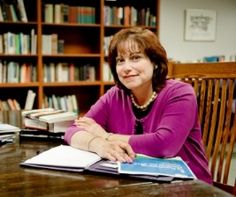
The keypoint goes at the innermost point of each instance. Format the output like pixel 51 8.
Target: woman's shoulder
pixel 114 93
pixel 114 90
pixel 177 85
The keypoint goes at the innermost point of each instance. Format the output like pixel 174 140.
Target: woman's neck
pixel 141 100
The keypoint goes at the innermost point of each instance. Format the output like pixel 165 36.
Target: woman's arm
pixel 94 138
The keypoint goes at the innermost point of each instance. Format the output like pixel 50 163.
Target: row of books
pixel 128 15
pixel 17 72
pixel 65 72
pixel 18 43
pixel 63 13
pixel 12 117
pixel 52 44
pixel 11 104
pixel 13 11
pixel 65 103
pixel 216 58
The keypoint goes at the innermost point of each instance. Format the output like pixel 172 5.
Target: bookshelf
pixel 69 53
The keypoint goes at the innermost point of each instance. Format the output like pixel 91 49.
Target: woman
pixel 144 113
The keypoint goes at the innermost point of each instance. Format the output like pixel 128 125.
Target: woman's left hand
pixel 89 125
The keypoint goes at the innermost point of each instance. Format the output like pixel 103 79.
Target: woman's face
pixel 133 67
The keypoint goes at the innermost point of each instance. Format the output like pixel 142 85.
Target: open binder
pixel 67 158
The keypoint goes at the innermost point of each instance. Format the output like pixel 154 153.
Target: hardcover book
pixel 143 165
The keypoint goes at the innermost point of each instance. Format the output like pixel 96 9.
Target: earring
pixel 156 67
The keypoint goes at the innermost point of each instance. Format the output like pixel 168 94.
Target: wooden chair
pixel 215 88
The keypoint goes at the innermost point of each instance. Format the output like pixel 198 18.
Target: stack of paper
pixel 8 133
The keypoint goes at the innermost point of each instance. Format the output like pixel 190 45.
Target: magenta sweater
pixel 170 129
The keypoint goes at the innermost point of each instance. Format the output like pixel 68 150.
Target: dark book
pixel 39 134
pixel 4 6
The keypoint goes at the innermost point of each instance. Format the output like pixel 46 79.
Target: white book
pixel 28 112
pixel 4 128
pixel 10 45
pixel 17 104
pixel 55 102
pixel 1 16
pixel 52 72
pixel 48 13
pixel 11 69
pixel 1 43
pixel 47 44
pixel 64 156
pixel 75 103
pixel 57 13
pixel 64 116
pixel 57 127
pixel 1 72
pixel 48 111
pixel 60 127
pixel 22 11
pixel 33 43
pixel 62 72
pixel 13 13
pixel 69 103
pixel 29 102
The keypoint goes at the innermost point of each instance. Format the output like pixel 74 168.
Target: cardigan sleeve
pixel 98 112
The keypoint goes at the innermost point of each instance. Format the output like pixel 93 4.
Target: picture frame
pixel 200 25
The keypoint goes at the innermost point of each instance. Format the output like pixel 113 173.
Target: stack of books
pixel 48 121
pixel 67 158
pixel 8 133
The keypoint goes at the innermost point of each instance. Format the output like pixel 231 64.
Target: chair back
pixel 215 88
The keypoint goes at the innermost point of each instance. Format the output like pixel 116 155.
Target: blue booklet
pixel 144 165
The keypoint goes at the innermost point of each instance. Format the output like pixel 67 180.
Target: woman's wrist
pixel 108 137
pixel 91 141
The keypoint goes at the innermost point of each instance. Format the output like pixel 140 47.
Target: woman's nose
pixel 127 67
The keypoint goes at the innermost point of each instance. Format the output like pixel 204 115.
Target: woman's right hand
pixel 112 150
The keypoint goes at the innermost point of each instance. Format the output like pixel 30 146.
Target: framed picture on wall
pixel 200 25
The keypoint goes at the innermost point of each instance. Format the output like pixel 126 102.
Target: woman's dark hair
pixel 148 43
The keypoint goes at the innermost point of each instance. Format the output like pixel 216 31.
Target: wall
pixel 172 29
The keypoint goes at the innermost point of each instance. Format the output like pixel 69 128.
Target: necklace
pixel 143 107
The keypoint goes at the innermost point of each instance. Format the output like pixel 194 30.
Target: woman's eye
pixel 135 57
pixel 119 60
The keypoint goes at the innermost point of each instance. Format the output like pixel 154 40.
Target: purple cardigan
pixel 170 129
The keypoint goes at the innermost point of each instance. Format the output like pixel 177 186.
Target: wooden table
pixel 18 181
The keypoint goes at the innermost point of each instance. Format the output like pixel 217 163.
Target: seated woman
pixel 144 112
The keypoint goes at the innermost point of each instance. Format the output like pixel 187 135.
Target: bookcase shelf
pixel 74 42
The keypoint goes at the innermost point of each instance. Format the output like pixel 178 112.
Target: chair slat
pixel 206 125
pixel 219 132
pixel 202 100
